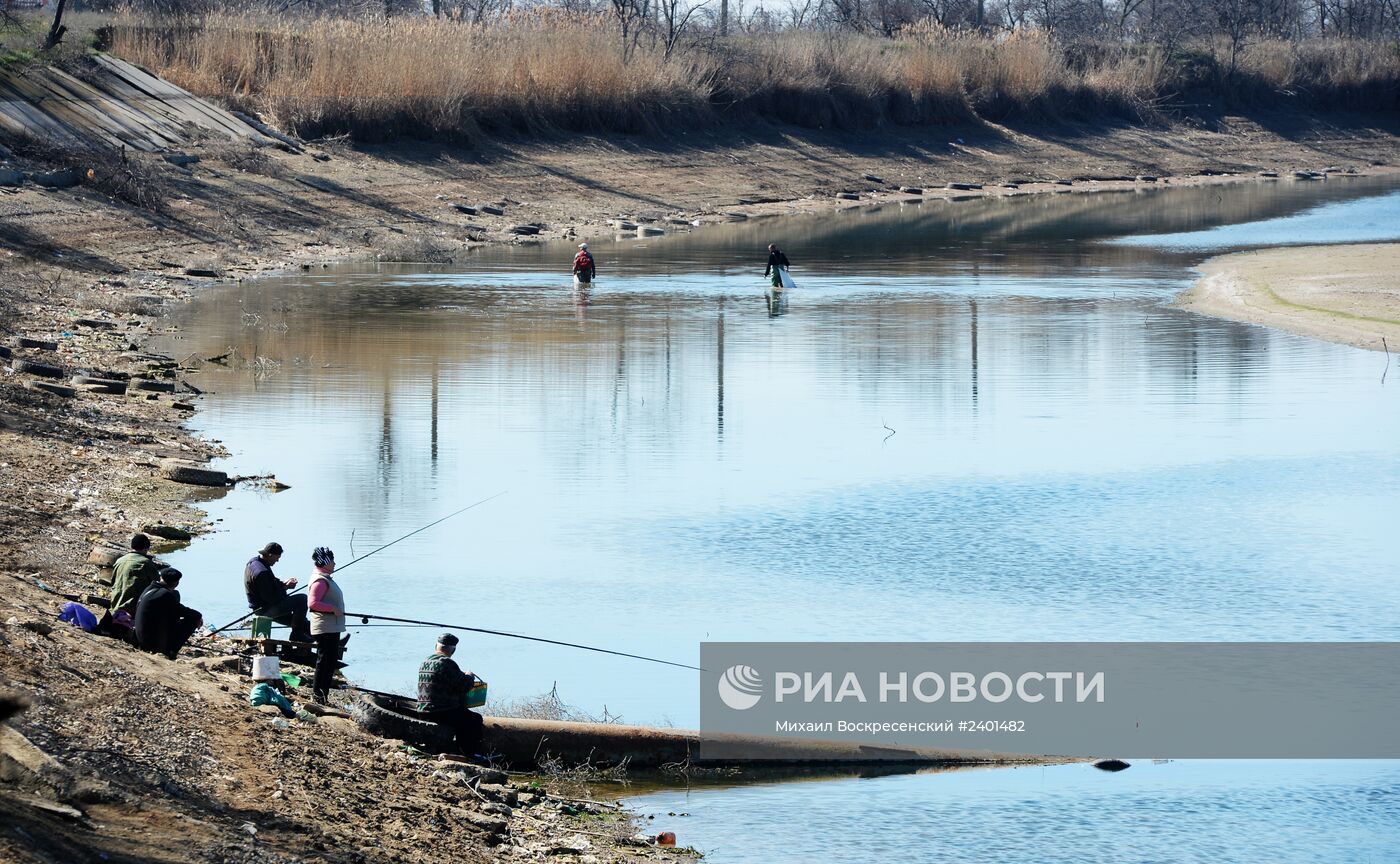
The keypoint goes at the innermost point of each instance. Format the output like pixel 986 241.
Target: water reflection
pixel 1264 812
pixel 1071 458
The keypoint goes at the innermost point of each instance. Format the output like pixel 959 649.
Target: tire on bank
pixel 43 370
pixel 190 474
pixel 393 717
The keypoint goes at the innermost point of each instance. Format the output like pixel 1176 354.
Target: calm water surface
pixel 974 420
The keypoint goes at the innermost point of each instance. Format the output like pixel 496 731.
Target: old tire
pixel 55 389
pixel 389 717
pixel 152 386
pixel 37 344
pixel 104 556
pixel 100 385
pixel 43 370
pixel 191 474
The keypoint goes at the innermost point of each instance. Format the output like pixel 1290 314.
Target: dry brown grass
pixel 546 70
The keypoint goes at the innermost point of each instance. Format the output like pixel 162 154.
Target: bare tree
pixel 676 17
pixel 632 17
pixel 57 29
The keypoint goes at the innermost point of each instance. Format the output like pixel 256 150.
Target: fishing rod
pixel 248 615
pixel 368 618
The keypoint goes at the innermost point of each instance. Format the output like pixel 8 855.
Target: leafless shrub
pixel 551 706
pixel 584 772
pixel 246 156
pixel 139 179
pixel 416 248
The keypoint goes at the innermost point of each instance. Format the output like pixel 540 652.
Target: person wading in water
pixel 327 605
pixel 584 267
pixel 776 260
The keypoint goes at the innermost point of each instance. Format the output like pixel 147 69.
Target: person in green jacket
pixel 131 575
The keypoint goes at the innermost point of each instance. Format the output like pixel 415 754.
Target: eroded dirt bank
pixel 161 761
pixel 1346 294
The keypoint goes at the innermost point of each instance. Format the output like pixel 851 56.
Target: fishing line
pixel 367 618
pixel 301 588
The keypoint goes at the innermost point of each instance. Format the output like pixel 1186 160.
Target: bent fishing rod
pixel 339 570
pixel 410 621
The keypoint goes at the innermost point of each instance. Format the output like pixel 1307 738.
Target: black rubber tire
pixel 388 718
pixel 152 386
pixel 191 475
pixel 100 385
pixel 38 344
pixel 56 389
pixel 43 370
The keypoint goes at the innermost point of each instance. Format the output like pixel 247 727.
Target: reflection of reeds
pixel 262 367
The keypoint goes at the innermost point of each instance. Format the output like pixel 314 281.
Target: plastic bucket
pixel 266 669
pixel 476 696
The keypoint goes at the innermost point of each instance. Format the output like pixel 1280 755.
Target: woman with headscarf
pixel 327 606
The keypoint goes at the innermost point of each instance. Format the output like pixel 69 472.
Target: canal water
pixel 972 420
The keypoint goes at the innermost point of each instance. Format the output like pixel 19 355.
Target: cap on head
pixel 273 548
pixel 447 640
pixel 170 575
pixel 140 542
pixel 322 556
pixel 583 245
pixel 772 247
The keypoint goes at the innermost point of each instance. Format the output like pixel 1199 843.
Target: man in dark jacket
pixel 163 624
pixel 442 695
pixel 132 574
pixel 267 595
pixel 776 260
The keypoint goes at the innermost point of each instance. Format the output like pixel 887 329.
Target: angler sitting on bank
pixel 442 695
pixel 132 574
pixel 163 623
pixel 268 597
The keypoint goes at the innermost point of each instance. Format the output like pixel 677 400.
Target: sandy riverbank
pixel 1345 294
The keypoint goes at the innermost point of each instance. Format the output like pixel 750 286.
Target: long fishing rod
pixel 367 618
pixel 245 617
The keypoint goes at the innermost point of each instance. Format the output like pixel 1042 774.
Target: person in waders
pixel 777 262
pixel 327 605
pixel 584 266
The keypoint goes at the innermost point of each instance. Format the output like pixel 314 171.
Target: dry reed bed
pixel 549 70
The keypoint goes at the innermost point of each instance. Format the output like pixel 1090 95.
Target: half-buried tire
pixel 191 474
pixel 392 717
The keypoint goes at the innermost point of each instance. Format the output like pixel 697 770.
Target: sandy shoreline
pixel 1344 294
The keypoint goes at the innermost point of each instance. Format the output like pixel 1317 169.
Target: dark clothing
pixel 163 624
pixel 132 574
pixel 467 725
pixel 260 584
pixel 584 268
pixel 290 611
pixel 267 596
pixel 776 259
pixel 328 651
pixel 442 685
